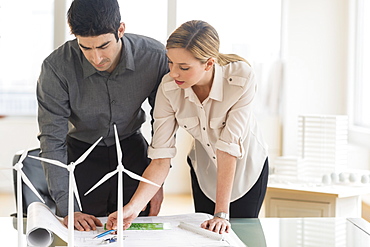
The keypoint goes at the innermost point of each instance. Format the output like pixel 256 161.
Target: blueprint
pixel 42 225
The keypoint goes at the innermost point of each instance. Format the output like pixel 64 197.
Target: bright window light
pixel 362 73
pixel 26 38
pixel 145 17
pixel 248 28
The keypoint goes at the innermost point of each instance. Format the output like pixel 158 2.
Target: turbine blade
pixel 118 145
pixel 75 191
pixel 84 155
pixel 137 177
pixel 30 185
pixel 54 162
pixel 105 178
pixel 23 156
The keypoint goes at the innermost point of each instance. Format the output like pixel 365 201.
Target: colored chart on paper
pixel 150 226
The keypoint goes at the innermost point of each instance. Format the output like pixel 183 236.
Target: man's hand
pixel 156 202
pixel 84 222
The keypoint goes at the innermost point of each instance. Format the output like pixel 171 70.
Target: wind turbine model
pixel 119 170
pixel 21 176
pixel 72 187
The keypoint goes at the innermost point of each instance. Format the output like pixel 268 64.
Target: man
pixel 87 85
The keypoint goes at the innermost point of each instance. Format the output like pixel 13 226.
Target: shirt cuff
pixel 231 148
pixel 159 153
pixel 62 207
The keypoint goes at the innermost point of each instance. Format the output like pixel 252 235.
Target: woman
pixel 210 95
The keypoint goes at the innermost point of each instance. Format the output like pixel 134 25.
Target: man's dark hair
pixel 94 17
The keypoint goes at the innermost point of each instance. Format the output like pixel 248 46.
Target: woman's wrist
pixel 134 207
pixel 222 215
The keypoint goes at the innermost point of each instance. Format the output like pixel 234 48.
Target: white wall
pixel 315 54
pixel 315 36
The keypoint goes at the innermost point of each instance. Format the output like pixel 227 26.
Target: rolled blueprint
pixel 36 235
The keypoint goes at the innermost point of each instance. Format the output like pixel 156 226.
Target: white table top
pixel 270 232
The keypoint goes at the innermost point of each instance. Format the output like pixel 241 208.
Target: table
pixel 302 232
pixel 311 200
pixel 270 232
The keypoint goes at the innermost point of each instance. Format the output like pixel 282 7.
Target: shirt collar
pixel 188 92
pixel 216 89
pixel 127 57
pixel 126 60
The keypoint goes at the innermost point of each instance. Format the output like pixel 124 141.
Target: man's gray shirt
pixel 77 100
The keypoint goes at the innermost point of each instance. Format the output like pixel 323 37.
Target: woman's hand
pixel 129 214
pixel 157 172
pixel 112 221
pixel 217 225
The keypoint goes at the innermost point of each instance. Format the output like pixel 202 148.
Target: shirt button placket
pixel 204 133
pixel 203 122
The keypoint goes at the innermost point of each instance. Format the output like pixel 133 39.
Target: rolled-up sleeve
pixel 238 123
pixel 165 127
pixel 223 121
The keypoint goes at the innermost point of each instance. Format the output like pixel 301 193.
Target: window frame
pixel 357 134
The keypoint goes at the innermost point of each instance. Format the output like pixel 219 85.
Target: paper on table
pixel 178 237
pixel 42 223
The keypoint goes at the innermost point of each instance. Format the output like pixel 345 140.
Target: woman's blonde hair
pixel 202 40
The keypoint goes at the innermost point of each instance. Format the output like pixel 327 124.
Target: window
pixel 360 74
pixel 246 27
pixel 26 38
pixel 145 17
pixel 249 28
